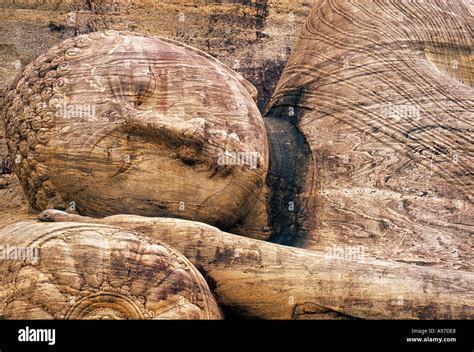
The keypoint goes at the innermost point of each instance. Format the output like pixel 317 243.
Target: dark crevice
pixel 288 170
pixel 229 312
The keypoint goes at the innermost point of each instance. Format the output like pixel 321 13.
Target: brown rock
pixel 257 279
pixel 252 37
pixel 73 271
pixel 113 122
pixel 382 92
pixel 368 143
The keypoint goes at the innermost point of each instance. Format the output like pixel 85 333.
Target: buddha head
pixel 112 122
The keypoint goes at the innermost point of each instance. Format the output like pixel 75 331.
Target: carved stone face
pixel 112 122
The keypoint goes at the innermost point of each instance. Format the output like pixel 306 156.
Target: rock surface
pixel 74 271
pixel 253 38
pixel 382 92
pixel 368 136
pixel 258 279
pixel 110 122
